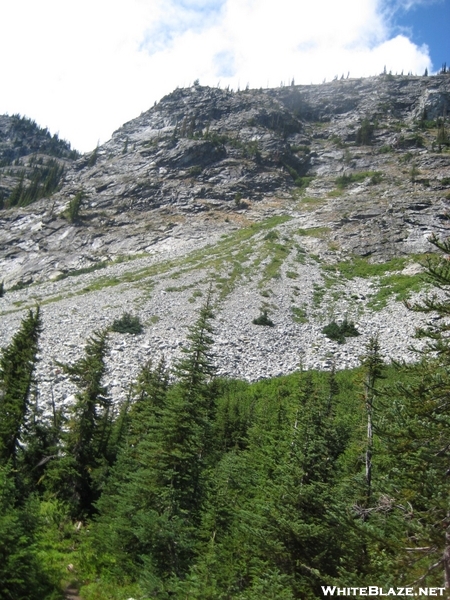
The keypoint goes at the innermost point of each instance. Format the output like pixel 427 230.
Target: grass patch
pixel 317 232
pixel 361 267
pixel 391 281
pixel 397 285
pixel 346 180
pixel 279 253
pixel 83 271
pixel 299 314
pixel 308 203
pixel 318 294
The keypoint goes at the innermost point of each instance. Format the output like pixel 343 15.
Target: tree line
pixel 206 488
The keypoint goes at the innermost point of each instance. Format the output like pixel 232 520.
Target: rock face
pixel 297 179
pixel 210 152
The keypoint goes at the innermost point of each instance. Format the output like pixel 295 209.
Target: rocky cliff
pixel 273 196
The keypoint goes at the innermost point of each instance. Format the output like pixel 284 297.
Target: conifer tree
pixel 17 365
pixel 417 433
pixel 373 366
pixel 151 508
pixel 89 428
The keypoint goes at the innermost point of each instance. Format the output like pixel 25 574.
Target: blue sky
pixel 428 23
pixel 84 68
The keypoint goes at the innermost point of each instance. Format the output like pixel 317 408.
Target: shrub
pixel 347 179
pixel 272 236
pixel 376 178
pixel 263 319
pixel 73 212
pixel 338 333
pixel 127 324
pixel 364 133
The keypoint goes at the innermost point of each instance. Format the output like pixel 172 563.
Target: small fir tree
pixel 17 365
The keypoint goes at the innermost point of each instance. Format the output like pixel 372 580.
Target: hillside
pixel 313 203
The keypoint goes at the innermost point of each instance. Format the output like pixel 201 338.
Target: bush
pixel 263 319
pixel 127 324
pixel 73 212
pixel 364 133
pixel 338 333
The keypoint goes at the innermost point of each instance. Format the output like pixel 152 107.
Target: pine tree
pixel 151 509
pixel 21 572
pixel 17 365
pixel 417 433
pixel 373 366
pixel 86 445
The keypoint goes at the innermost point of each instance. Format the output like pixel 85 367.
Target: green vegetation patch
pixel 263 319
pixel 338 332
pixel 83 271
pixel 299 314
pixel 361 267
pixel 317 232
pixel 398 285
pixel 127 323
pixel 391 281
pixel 307 203
pixel 345 180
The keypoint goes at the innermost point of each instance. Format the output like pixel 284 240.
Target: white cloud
pixel 84 68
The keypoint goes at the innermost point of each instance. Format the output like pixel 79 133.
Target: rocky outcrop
pixel 258 192
pixel 204 152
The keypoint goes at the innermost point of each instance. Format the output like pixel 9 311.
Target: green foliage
pixel 391 281
pixel 442 137
pixel 195 171
pixel 314 231
pixel 414 429
pixel 162 468
pixel 73 211
pixel 127 324
pixel 17 365
pixel 93 157
pixel 83 270
pixel 345 180
pixel 300 181
pixel 42 182
pixel 78 474
pixel 364 133
pixel 338 333
pixel 21 572
pixel 299 314
pixel 263 319
pixel 30 139
pixel 206 488
pixel 272 236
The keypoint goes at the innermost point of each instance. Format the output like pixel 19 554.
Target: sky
pixel 84 68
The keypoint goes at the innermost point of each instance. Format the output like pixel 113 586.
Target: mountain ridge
pixel 209 150
pixel 312 203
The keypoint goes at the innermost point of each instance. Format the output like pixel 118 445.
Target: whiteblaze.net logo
pixel 374 590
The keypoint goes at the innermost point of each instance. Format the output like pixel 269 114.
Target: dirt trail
pixel 71 593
